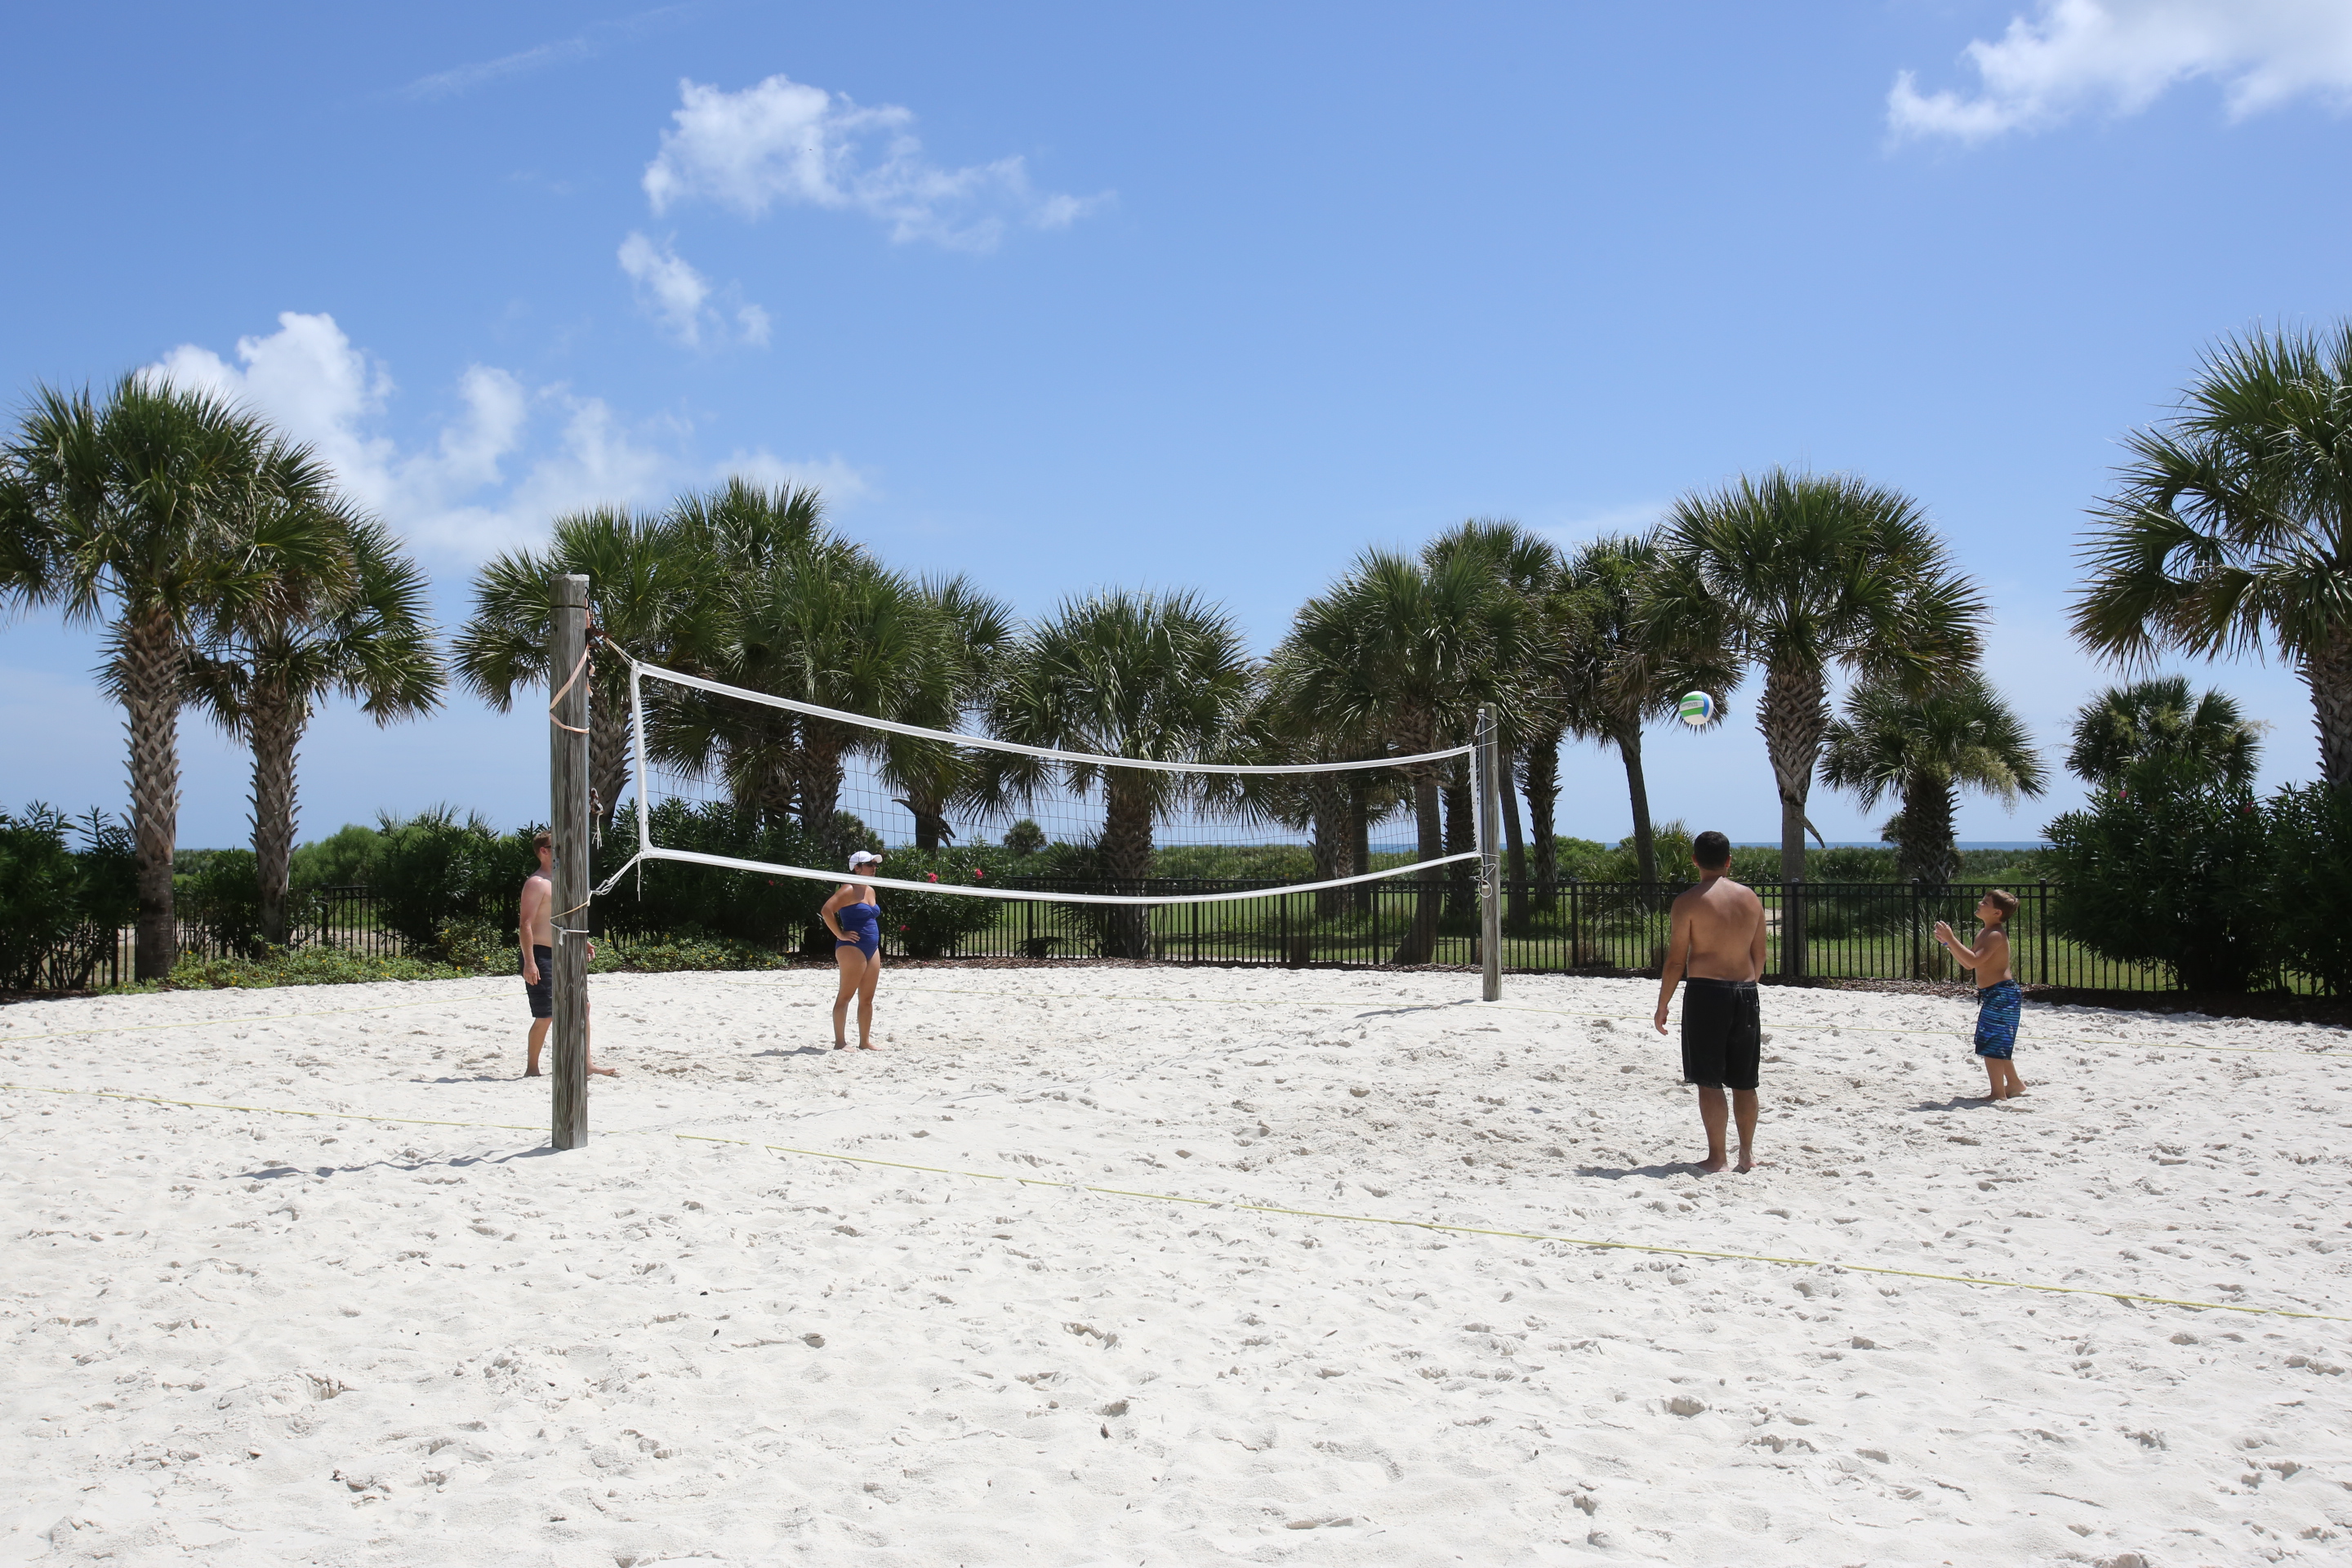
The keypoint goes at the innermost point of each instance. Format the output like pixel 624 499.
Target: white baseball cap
pixel 864 857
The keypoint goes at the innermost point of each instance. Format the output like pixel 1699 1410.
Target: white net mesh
pixel 747 782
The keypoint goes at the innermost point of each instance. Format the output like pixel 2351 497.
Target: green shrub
pixel 344 859
pixel 677 899
pixel 667 957
pixel 433 871
pixel 59 910
pixel 2310 850
pixel 478 946
pixel 927 925
pixel 1024 838
pixel 220 895
pixel 2171 868
pixel 303 966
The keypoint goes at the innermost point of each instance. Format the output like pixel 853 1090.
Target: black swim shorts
pixel 542 996
pixel 1723 1034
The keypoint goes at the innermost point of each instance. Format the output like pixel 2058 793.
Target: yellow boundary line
pixel 1587 1242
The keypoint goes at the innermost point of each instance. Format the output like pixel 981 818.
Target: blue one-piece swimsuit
pixel 863 924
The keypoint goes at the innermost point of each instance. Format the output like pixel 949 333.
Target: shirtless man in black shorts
pixel 1718 941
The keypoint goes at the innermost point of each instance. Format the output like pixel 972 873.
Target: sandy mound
pixel 236 1337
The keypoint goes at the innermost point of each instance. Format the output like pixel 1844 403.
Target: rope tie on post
pixel 570 729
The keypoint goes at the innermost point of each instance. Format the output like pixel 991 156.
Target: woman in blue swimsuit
pixel 853 915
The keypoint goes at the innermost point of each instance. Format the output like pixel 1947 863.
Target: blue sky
pixel 1206 296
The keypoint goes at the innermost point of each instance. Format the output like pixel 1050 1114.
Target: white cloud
pixel 680 297
pixel 465 78
pixel 482 485
pixel 782 141
pixel 2120 56
pixel 670 286
pixel 837 480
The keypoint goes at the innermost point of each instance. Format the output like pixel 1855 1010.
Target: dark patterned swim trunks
pixel 1997 1007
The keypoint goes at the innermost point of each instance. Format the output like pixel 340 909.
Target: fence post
pixel 567 821
pixel 1490 904
pixel 1917 970
pixel 2041 925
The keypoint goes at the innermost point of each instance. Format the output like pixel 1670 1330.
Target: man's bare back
pixel 1717 942
pixel 1720 923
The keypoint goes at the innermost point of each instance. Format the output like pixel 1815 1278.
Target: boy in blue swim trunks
pixel 1998 1000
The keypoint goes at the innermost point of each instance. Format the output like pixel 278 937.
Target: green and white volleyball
pixel 1698 709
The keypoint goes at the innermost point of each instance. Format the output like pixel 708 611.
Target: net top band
pixel 638 668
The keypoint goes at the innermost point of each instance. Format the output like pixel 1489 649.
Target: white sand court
pixel 238 1337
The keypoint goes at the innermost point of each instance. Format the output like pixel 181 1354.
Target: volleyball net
pixel 741 780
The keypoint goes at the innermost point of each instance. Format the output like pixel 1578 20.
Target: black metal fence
pixel 1869 931
pixel 349 918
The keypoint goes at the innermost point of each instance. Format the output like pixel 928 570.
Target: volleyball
pixel 1698 709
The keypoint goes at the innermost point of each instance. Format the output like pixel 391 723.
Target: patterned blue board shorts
pixel 1997 1007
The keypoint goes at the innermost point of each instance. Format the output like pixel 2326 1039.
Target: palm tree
pixel 1525 693
pixel 2231 528
pixel 1398 654
pixel 979 629
pixel 145 513
pixel 268 657
pixel 1798 572
pixel 1161 676
pixel 1923 750
pixel 1631 671
pixel 642 592
pixel 832 627
pixel 2126 725
pixel 726 544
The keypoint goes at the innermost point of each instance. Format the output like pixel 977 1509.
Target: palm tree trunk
pixel 1515 840
pixel 1328 798
pixel 2328 673
pixel 1540 770
pixel 1461 837
pixel 1627 739
pixel 151 700
pixel 820 789
pixel 1928 853
pixel 608 753
pixel 1421 938
pixel 1360 838
pixel 1127 861
pixel 276 723
pixel 1794 717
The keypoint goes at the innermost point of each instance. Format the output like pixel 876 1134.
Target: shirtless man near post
pixel 1718 941
pixel 536 930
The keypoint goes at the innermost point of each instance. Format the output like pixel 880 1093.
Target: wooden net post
pixel 1490 865
pixel 568 822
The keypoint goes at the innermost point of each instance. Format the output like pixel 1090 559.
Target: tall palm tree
pixel 2126 725
pixel 1401 653
pixel 727 545
pixel 643 592
pixel 1525 693
pixel 2231 527
pixel 1161 676
pixel 980 631
pixel 1923 750
pixel 1799 572
pixel 1631 670
pixel 268 657
pixel 140 513
pixel 833 628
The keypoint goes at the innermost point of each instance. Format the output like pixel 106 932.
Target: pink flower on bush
pixel 978 873
pixel 932 876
